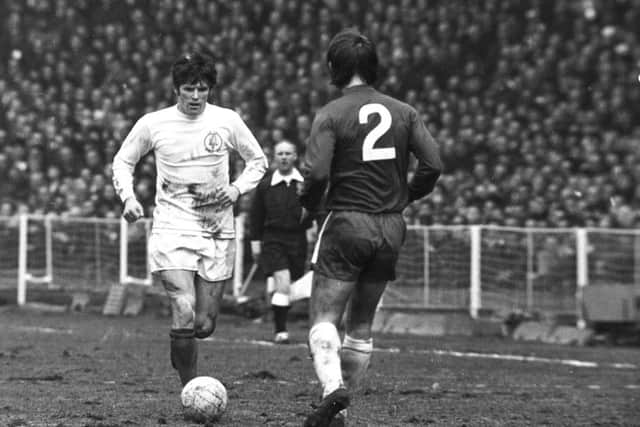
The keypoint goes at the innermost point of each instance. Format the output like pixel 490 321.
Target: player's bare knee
pixel 183 313
pixel 205 326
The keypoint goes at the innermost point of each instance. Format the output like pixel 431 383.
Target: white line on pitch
pixel 451 353
pixel 472 355
pixel 518 358
pixel 43 330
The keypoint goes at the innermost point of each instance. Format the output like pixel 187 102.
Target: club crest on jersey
pixel 213 142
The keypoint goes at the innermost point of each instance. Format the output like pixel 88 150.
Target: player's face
pixel 285 157
pixel 192 98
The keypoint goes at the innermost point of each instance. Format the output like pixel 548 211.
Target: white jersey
pixel 192 162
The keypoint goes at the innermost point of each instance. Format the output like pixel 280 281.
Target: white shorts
pixel 212 259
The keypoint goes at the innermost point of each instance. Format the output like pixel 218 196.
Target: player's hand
pixel 132 210
pixel 228 195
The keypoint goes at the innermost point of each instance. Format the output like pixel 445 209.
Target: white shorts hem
pixel 158 269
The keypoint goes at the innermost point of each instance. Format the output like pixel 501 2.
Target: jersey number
pixel 369 152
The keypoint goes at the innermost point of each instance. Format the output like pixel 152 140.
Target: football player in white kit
pixel 192 246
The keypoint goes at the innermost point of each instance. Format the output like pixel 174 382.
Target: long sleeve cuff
pixel 126 193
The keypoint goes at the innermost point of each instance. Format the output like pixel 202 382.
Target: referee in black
pixel 277 228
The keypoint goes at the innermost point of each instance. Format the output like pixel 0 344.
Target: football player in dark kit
pixel 360 146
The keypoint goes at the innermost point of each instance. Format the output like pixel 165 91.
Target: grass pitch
pixel 83 369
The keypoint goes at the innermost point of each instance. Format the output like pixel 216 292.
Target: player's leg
pixel 175 265
pixel 178 285
pixel 336 258
pixel 327 303
pixel 357 346
pixel 208 299
pixel 215 268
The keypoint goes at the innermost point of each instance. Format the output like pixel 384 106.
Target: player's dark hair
pixel 193 68
pixel 352 53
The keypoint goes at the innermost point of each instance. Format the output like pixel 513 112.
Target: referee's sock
pixel 280 306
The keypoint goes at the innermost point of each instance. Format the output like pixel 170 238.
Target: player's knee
pixel 205 326
pixel 183 310
pixel 324 337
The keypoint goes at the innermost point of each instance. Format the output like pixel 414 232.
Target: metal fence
pixel 470 267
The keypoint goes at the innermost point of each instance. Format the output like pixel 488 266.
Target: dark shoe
pixel 340 420
pixel 326 411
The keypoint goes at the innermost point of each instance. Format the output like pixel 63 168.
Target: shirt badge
pixel 213 142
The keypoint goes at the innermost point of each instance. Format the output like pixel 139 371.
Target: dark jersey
pixel 360 143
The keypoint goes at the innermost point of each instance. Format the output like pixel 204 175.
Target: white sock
pixel 354 358
pixel 324 344
pixel 279 299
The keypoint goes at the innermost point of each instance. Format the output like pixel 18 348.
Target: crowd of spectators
pixel 535 103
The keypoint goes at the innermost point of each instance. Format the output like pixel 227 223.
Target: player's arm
pixel 136 144
pixel 429 167
pixel 316 164
pixel 254 159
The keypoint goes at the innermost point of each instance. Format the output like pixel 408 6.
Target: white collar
pixel 277 177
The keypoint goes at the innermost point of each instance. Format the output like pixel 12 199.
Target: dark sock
pixel 280 317
pixel 184 353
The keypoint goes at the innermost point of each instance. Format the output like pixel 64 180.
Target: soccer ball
pixel 204 399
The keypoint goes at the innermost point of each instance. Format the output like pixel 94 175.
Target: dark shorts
pixel 284 251
pixel 355 246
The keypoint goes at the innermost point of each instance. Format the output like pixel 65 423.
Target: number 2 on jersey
pixel 369 152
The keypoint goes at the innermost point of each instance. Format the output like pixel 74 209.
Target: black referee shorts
pixel 284 251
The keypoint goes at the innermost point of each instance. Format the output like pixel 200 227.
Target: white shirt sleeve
pixel 251 152
pixel 135 146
